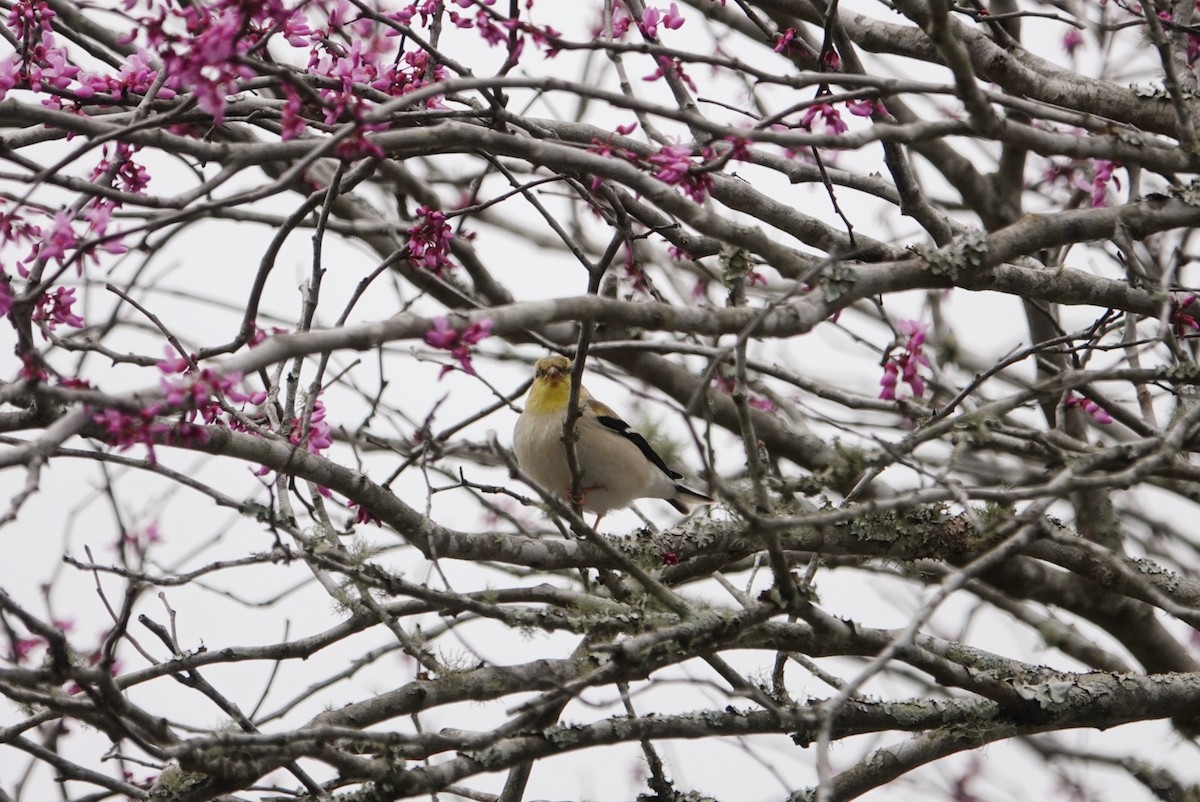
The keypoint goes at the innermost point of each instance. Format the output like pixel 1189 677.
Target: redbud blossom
pixel 900 370
pixel 1071 41
pixel 429 241
pixel 1102 172
pixel 318 437
pixel 784 39
pixel 458 343
pixel 825 113
pixel 55 308
pixel 1097 412
pixel 865 107
pixel 1183 315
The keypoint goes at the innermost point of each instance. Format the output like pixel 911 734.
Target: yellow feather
pixel 551 391
pixel 548 396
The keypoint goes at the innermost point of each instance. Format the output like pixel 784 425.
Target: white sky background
pixel 197 286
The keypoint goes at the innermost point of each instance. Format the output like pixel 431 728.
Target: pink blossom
pixel 30 18
pixel 1075 175
pixel 141 541
pixel 727 384
pixel 135 77
pixel 426 9
pixel 130 176
pixel 38 64
pixel 417 70
pixel 739 148
pixel 442 335
pixel 23 648
pixel 48 67
pixel 632 273
pixel 62 239
pixel 784 39
pixel 357 146
pixel 900 369
pixel 127 429
pixel 295 28
pixel 547 38
pixel 16 230
pixel 318 437
pixel 203 392
pixel 55 308
pixel 206 56
pixel 914 328
pixel 1097 412
pixel 620 25
pixel 828 115
pixel 362 515
pixel 32 369
pixel 673 19
pixel 1102 176
pixel 670 66
pixel 1071 41
pixel 292 124
pixel 458 343
pixel 762 403
pixel 492 31
pixel 260 334
pixel 429 241
pixel 865 107
pixel 672 165
pixel 1183 316
pixel 10 75
pixel 649 23
pixel 1056 173
pixel 607 149
pixel 175 364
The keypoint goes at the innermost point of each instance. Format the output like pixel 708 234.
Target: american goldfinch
pixel 616 463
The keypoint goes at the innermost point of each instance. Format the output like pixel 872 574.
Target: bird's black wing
pixel 619 426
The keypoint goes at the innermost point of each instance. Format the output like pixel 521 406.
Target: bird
pixel 616 464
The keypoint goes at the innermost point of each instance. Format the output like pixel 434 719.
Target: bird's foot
pixel 580 500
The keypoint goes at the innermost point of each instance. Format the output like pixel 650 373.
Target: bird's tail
pixel 686 496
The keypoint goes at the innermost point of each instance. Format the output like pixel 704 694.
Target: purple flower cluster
pixel 1093 178
pixel 1182 315
pixel 1097 412
pixel 55 308
pixel 188 392
pixel 429 241
pixel 458 343
pixel 900 370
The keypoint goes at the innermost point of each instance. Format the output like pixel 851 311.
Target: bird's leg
pixel 581 499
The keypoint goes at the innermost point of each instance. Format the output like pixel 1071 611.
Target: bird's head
pixel 551 385
pixel 552 369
